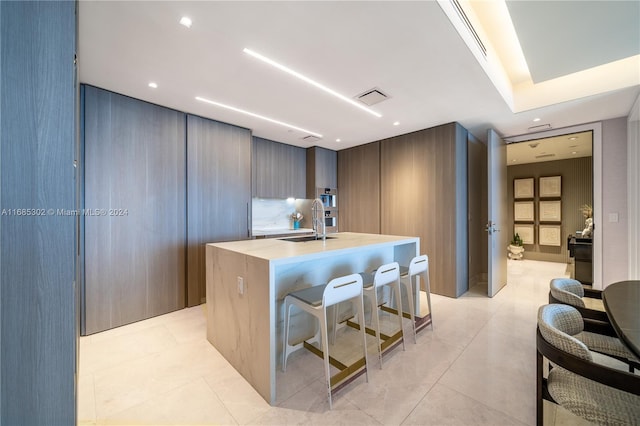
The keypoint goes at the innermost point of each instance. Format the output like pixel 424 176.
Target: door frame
pixel 596 129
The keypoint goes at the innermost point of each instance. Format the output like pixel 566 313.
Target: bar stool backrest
pixel 341 289
pixel 418 265
pixel 387 274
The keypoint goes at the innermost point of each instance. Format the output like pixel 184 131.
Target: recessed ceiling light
pixel 396 123
pixel 308 80
pixel 186 21
pixel 338 140
pixel 262 117
pixel 536 119
pixel 153 85
pixel 514 160
pixel 573 138
pixel 574 152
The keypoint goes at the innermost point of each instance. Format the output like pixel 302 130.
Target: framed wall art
pixel 550 211
pixel 523 188
pixel 525 232
pixel 549 235
pixel 551 186
pixel 523 211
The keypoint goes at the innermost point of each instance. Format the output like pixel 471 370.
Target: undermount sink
pixel 304 239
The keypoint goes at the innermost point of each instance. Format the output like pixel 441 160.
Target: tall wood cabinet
pixel 359 183
pixel 322 170
pixel 135 189
pixel 218 193
pixel 279 170
pixel 424 193
pixel 37 245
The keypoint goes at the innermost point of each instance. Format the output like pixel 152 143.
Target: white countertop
pixel 261 232
pixel 275 249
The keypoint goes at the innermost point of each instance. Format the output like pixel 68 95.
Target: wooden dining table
pixel 622 304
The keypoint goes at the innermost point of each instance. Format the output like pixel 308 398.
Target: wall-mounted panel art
pixel 523 211
pixel 551 186
pixel 523 188
pixel 549 235
pixel 525 232
pixel 550 211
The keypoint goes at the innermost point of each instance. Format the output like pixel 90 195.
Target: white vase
pixel 515 252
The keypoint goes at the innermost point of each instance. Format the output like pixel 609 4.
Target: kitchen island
pixel 248 280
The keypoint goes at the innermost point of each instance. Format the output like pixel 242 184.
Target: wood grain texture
pixel 322 170
pixel 38 299
pixel 278 170
pixel 218 193
pixel 135 160
pixel 423 193
pixel 359 182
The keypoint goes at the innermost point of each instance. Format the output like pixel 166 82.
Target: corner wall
pixel 614 201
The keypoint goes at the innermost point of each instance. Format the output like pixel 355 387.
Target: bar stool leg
pixel 428 287
pixel 408 285
pixel 398 293
pixel 325 350
pixel 376 322
pixel 287 313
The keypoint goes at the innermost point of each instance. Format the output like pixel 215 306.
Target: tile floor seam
pixel 220 400
pixel 140 357
pixel 516 421
pixel 421 399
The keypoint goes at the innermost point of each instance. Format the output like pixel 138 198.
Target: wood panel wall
pixel 424 193
pixel 359 188
pixel 37 252
pixel 577 189
pixel 219 193
pixel 279 170
pixel 135 177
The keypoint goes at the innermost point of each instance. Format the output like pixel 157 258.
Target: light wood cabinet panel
pixel 322 170
pixel 135 182
pixel 424 193
pixel 279 170
pixel 359 183
pixel 38 250
pixel 218 193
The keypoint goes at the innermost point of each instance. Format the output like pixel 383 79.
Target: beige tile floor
pixel 477 366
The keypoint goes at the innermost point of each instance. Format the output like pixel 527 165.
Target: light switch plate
pixel 613 217
pixel 240 286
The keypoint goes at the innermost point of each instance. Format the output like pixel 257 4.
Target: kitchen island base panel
pixel 236 322
pixel 245 321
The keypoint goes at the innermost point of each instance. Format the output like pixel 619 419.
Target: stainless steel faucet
pixel 316 206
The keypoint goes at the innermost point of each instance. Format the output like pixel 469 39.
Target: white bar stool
pixel 419 265
pixel 315 301
pixel 389 275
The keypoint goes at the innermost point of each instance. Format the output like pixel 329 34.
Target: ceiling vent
pixel 539 128
pixel 372 97
pixel 311 139
pixel 467 24
pixel 545 155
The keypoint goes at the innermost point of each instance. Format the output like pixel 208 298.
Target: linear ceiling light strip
pixel 310 81
pixel 262 117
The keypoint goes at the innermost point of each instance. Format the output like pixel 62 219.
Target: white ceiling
pixel 409 50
